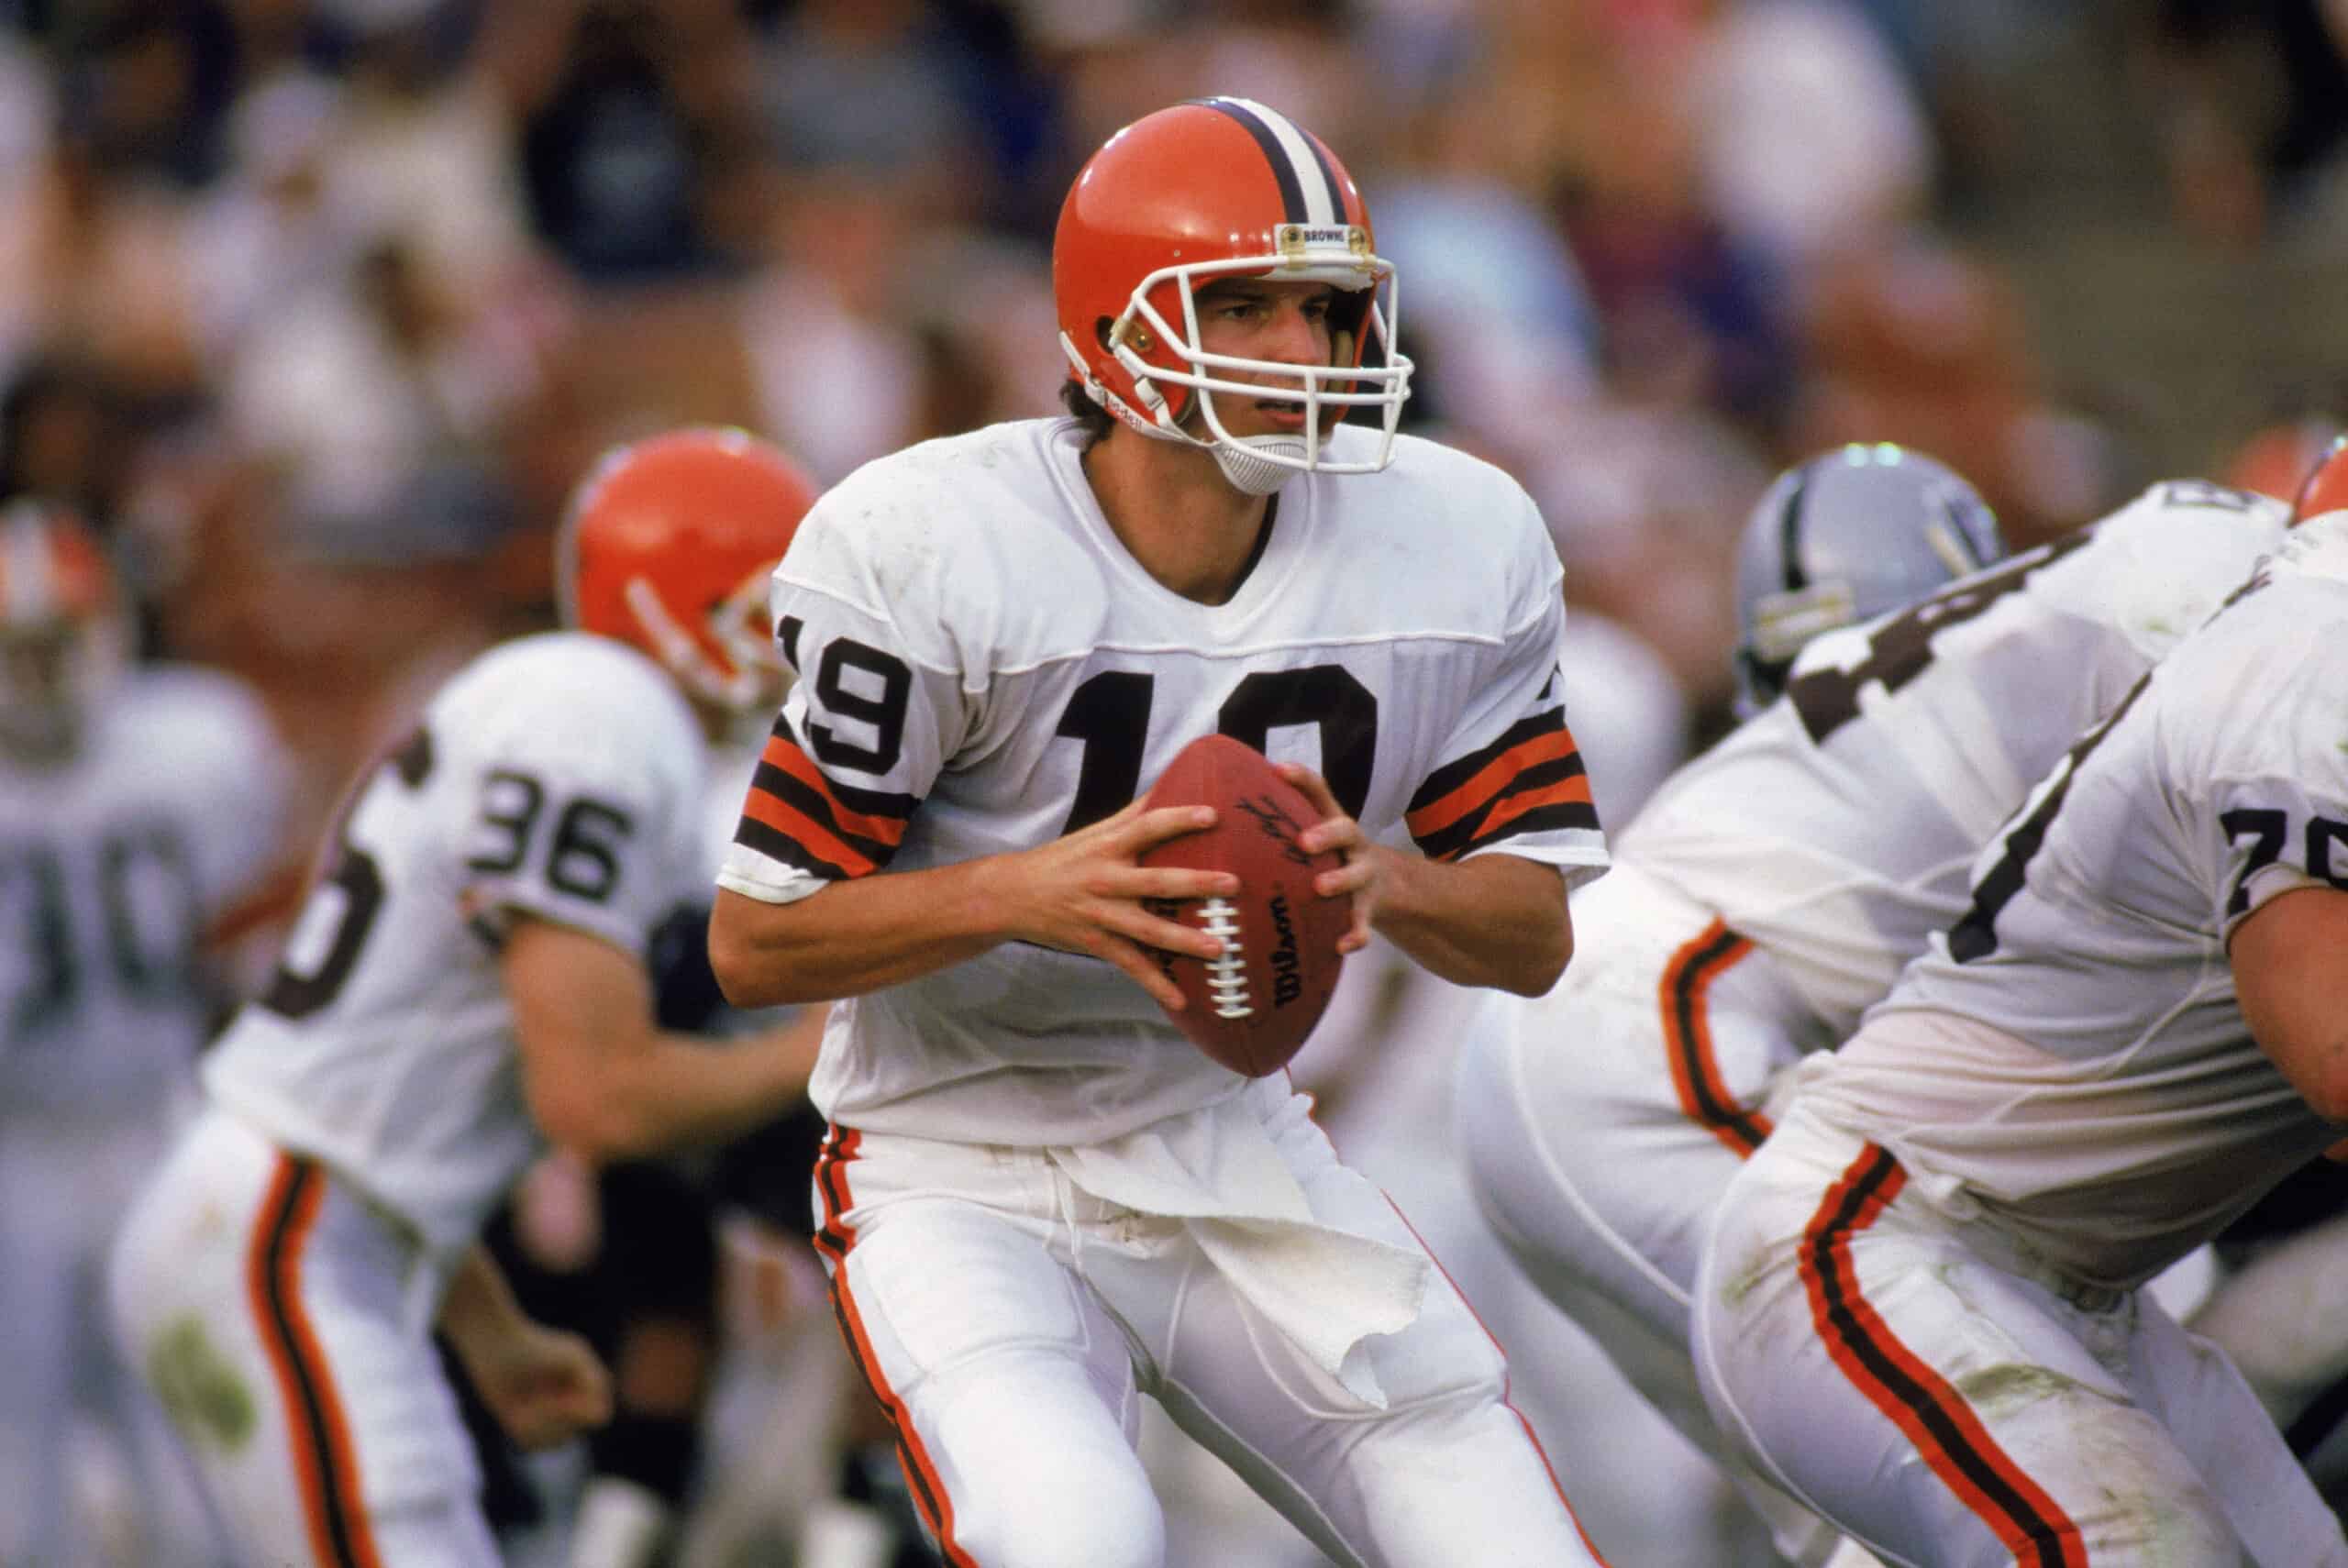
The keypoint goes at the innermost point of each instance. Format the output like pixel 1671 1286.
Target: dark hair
pixel 1091 417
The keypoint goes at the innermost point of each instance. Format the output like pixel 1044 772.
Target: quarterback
pixel 1919 1306
pixel 466 981
pixel 1038 1201
pixel 1774 887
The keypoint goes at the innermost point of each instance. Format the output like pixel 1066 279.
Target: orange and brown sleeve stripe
pixel 797 815
pixel 1529 780
pixel 325 1464
pixel 1909 1393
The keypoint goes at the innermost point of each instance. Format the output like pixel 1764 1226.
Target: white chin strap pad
pixel 1252 475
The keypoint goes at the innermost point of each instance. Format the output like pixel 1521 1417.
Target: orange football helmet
pixel 63 637
pixel 2326 487
pixel 666 545
pixel 2277 459
pixel 1208 189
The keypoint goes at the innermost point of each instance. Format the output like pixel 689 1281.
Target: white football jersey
pixel 982 667
pixel 1836 827
pixel 2071 1053
pixel 111 867
pixel 557 777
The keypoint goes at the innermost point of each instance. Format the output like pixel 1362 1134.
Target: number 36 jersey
pixel 2072 1053
pixel 558 777
pixel 1835 829
pixel 983 667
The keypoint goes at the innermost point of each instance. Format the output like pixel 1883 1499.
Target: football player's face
pixel 1251 318
pixel 39 718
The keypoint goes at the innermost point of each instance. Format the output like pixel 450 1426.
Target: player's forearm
pixel 853 937
pixel 1497 921
pixel 477 1301
pixel 686 1091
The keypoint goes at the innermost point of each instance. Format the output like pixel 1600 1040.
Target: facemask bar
pixel 1390 384
pixel 755 676
pixel 53 677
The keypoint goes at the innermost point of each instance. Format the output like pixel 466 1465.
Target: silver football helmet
pixel 1844 537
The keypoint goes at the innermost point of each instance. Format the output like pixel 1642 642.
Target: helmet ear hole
pixel 1101 327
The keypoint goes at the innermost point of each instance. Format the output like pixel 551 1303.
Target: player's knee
pixel 1444 1367
pixel 2192 1530
pixel 1460 1482
pixel 2162 1518
pixel 1092 1515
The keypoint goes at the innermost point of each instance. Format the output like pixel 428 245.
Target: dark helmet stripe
pixel 1789 531
pixel 1329 175
pixel 1308 186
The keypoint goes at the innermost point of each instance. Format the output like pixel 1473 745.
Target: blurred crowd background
pixel 317 306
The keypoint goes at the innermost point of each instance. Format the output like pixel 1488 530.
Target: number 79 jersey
pixel 558 777
pixel 2072 1051
pixel 983 667
pixel 1835 828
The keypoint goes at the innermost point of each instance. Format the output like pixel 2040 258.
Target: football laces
pixel 1226 973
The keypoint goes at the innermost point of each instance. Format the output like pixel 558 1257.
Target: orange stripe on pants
pixel 837 1238
pixel 324 1463
pixel 1913 1397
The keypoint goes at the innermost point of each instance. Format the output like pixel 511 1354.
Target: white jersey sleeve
pixel 572 819
pixel 558 779
pixel 2090 1074
pixel 876 711
pixel 1836 827
pixel 1513 777
pixel 225 753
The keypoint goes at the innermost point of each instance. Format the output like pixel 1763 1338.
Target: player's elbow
pixel 2326 1088
pixel 598 1124
pixel 1541 969
pixel 1547 948
pixel 739 976
pixel 750 970
pixel 756 977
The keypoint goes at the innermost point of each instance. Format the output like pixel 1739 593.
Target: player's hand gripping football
pixel 1086 893
pixel 1357 879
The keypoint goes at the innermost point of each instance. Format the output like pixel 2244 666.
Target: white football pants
pixel 1602 1123
pixel 1953 1404
pixel 1009 1322
pixel 285 1326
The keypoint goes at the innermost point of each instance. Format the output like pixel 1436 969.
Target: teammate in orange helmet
pixel 466 982
pixel 1040 1202
pixel 2278 458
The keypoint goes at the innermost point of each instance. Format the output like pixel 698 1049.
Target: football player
pixel 1919 1309
pixel 1772 890
pixel 1038 1201
pixel 467 981
pixel 138 806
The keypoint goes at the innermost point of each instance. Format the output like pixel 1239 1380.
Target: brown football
pixel 1252 1009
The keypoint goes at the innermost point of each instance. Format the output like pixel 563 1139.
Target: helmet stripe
pixel 1790 532
pixel 1329 175
pixel 1308 189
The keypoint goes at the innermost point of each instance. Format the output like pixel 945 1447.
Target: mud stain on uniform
pixel 198 1387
